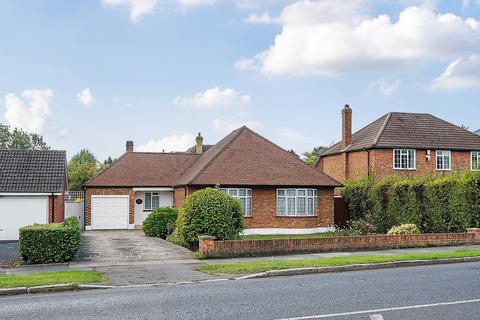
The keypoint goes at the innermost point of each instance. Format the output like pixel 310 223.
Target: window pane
pixel 310 192
pixel 290 206
pixel 232 192
pixel 248 211
pixel 301 193
pixel 280 192
pixel 223 190
pixel 281 206
pixel 148 201
pixel 475 160
pixel 155 201
pixel 242 192
pixel 249 192
pixel 243 204
pixel 310 206
pixel 291 192
pixel 301 206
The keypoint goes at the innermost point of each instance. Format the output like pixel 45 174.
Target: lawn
pixel 48 278
pixel 297 236
pixel 259 266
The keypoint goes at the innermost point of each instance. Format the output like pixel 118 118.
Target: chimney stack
pixel 199 144
pixel 346 126
pixel 129 146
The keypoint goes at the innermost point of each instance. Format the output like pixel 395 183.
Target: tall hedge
pixel 445 204
pixel 46 243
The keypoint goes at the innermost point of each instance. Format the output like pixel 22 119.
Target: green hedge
pixel 47 243
pixel 160 222
pixel 445 204
pixel 208 212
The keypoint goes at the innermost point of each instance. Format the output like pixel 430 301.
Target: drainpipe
pixel 368 163
pixel 85 207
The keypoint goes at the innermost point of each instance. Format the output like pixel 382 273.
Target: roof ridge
pixel 175 153
pixel 382 129
pixel 235 133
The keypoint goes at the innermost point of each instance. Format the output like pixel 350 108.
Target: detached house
pixel 277 191
pixel 400 143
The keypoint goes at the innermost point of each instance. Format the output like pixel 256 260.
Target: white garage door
pixel 17 212
pixel 110 212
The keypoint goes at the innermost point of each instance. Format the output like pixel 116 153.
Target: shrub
pixel 359 227
pixel 46 243
pixel 160 222
pixel 404 229
pixel 208 212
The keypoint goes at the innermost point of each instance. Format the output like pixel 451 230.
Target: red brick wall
pixel 210 248
pixel 108 191
pixel 333 166
pixel 57 210
pixel 179 195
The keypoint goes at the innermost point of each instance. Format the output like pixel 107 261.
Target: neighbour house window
pixel 151 201
pixel 444 160
pixel 475 160
pixel 244 196
pixel 404 159
pixel 296 202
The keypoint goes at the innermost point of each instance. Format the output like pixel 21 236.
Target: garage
pixel 110 212
pixel 17 212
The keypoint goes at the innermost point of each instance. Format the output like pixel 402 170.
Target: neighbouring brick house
pixel 400 144
pixel 278 192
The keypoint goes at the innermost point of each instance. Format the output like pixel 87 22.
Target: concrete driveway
pixel 119 246
pixel 8 251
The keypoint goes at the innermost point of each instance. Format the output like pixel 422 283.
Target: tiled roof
pixel 241 158
pixel 32 171
pixel 410 130
pixel 478 132
pixel 148 169
pixel 205 148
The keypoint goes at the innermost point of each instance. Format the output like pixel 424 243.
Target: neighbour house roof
pixel 241 158
pixel 478 132
pixel 144 169
pixel 32 171
pixel 205 148
pixel 409 130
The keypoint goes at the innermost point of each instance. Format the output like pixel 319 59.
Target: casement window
pixel 151 201
pixel 444 160
pixel 296 202
pixel 475 160
pixel 404 159
pixel 244 196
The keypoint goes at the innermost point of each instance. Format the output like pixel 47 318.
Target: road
pixel 428 292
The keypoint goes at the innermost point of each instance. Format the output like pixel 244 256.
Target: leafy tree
pixel 310 157
pixel 106 163
pixel 19 139
pixel 81 168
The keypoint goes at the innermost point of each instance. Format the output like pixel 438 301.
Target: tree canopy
pixel 19 139
pixel 81 168
pixel 310 157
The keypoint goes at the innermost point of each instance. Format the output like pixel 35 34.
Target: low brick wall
pixel 208 247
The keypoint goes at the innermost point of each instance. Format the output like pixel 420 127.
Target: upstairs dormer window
pixel 404 159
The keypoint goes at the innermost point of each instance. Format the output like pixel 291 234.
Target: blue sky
pixel 92 74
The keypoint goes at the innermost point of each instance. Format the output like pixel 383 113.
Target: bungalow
pixel 277 191
pixel 32 188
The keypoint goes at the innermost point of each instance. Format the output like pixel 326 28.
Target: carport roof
pixel 32 171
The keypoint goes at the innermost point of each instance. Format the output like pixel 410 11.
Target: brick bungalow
pixel 278 192
pixel 405 144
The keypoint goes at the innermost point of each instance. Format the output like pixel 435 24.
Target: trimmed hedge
pixel 445 204
pixel 47 243
pixel 208 212
pixel 160 222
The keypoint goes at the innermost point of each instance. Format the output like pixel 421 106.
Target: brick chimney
pixel 199 144
pixel 129 146
pixel 346 126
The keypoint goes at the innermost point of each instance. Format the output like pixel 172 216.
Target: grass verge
pixel 259 266
pixel 48 278
pixel 297 236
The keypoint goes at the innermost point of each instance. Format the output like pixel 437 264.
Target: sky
pixel 95 73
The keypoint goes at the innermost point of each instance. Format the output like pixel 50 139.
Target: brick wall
pixel 333 166
pixel 56 208
pixel 108 191
pixel 179 195
pixel 210 248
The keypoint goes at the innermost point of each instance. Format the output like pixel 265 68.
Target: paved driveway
pixel 129 246
pixel 8 252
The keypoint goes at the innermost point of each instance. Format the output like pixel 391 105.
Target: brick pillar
pixel 206 245
pixel 476 232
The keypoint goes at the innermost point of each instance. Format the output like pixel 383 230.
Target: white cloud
pixel 227 126
pixel 330 37
pixel 30 111
pixel 463 73
pixel 85 97
pixel 384 87
pixel 175 142
pixel 263 18
pixel 213 97
pixel 195 3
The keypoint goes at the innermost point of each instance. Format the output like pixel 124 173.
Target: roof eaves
pixel 382 129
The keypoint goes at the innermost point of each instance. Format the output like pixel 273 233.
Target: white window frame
pixel 235 192
pixel 402 153
pixel 477 154
pixel 299 193
pixel 152 194
pixel 443 154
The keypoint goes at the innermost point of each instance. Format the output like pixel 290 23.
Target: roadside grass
pixel 341 233
pixel 49 278
pixel 259 266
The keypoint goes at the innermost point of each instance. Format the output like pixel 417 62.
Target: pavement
pixel 438 292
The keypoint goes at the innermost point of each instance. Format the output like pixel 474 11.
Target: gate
pixel 74 205
pixel 340 212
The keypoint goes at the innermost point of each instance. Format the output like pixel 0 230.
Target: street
pixel 429 292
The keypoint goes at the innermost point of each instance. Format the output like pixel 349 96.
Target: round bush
pixel 404 229
pixel 208 212
pixel 160 222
